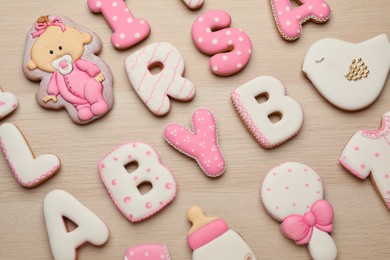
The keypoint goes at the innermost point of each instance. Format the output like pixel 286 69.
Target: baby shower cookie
pixel 230 48
pixel 193 4
pixel 368 152
pixel 200 143
pixel 211 238
pixel 147 252
pixel 123 186
pixel 29 170
pixel 59 204
pixel 128 30
pixel 349 76
pixel 257 116
pixel 155 89
pixel 293 194
pixel 289 19
pixel 8 103
pixel 61 55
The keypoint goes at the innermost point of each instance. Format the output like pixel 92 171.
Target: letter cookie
pixel 61 55
pixel 128 31
pixel 123 187
pixel 59 204
pixel 349 76
pixel 289 19
pixel 200 143
pixel 28 170
pixel 293 194
pixel 256 116
pixel 155 89
pixel 230 48
pixel 369 152
pixel 211 238
pixel 147 252
pixel 193 4
pixel 8 103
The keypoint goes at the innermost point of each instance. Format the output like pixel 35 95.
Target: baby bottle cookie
pixel 61 55
pixel 211 238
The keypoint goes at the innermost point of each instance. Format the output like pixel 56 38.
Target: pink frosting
pixel 147 252
pixel 232 47
pixel 383 131
pixel 128 30
pixel 200 144
pixel 207 233
pixel 289 20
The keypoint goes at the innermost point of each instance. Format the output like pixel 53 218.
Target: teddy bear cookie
pixel 211 238
pixel 293 193
pixel 147 252
pixel 369 152
pixel 8 103
pixel 350 76
pixel 61 55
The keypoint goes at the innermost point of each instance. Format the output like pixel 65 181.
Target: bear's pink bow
pixel 300 228
pixel 41 27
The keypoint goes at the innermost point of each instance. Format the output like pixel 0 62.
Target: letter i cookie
pixel 368 152
pixel 293 193
pixel 193 4
pixel 200 143
pixel 230 48
pixel 289 20
pixel 147 252
pixel 8 103
pixel 128 30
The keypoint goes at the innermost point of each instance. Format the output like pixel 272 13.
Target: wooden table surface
pixel 361 224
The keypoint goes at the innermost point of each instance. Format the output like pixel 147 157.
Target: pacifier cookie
pixel 349 76
pixel 62 56
pixel 293 193
pixel 8 103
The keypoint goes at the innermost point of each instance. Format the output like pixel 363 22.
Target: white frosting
pixel 193 4
pixel 122 185
pixel 255 115
pixel 328 60
pixel 155 89
pixel 28 171
pixel 8 103
pixel 322 246
pixel 90 228
pixel 229 246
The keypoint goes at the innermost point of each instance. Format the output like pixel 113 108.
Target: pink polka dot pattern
pixel 147 252
pixel 193 4
pixel 289 20
pixel 230 48
pixel 201 143
pixel 128 31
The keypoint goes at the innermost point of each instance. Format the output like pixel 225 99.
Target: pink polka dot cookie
pixel 128 30
pixel 147 252
pixel 230 48
pixel 293 194
pixel 123 186
pixel 368 152
pixel 193 4
pixel 289 19
pixel 200 143
pixel 8 103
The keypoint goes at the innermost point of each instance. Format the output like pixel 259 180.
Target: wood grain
pixel 361 218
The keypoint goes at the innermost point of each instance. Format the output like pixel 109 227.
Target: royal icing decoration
pixel 230 48
pixel 147 252
pixel 289 19
pixel 211 238
pixel 59 204
pixel 123 186
pixel 193 4
pixel 61 55
pixel 155 89
pixel 293 194
pixel 256 116
pixel 8 103
pixel 28 170
pixel 128 30
pixel 350 76
pixel 369 153
pixel 200 143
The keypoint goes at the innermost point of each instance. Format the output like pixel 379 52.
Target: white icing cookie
pixel 90 228
pixel 293 193
pixel 350 76
pixel 8 103
pixel 155 89
pixel 122 185
pixel 256 116
pixel 193 4
pixel 28 170
pixel 369 152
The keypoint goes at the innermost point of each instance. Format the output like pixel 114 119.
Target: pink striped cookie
pixel 147 252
